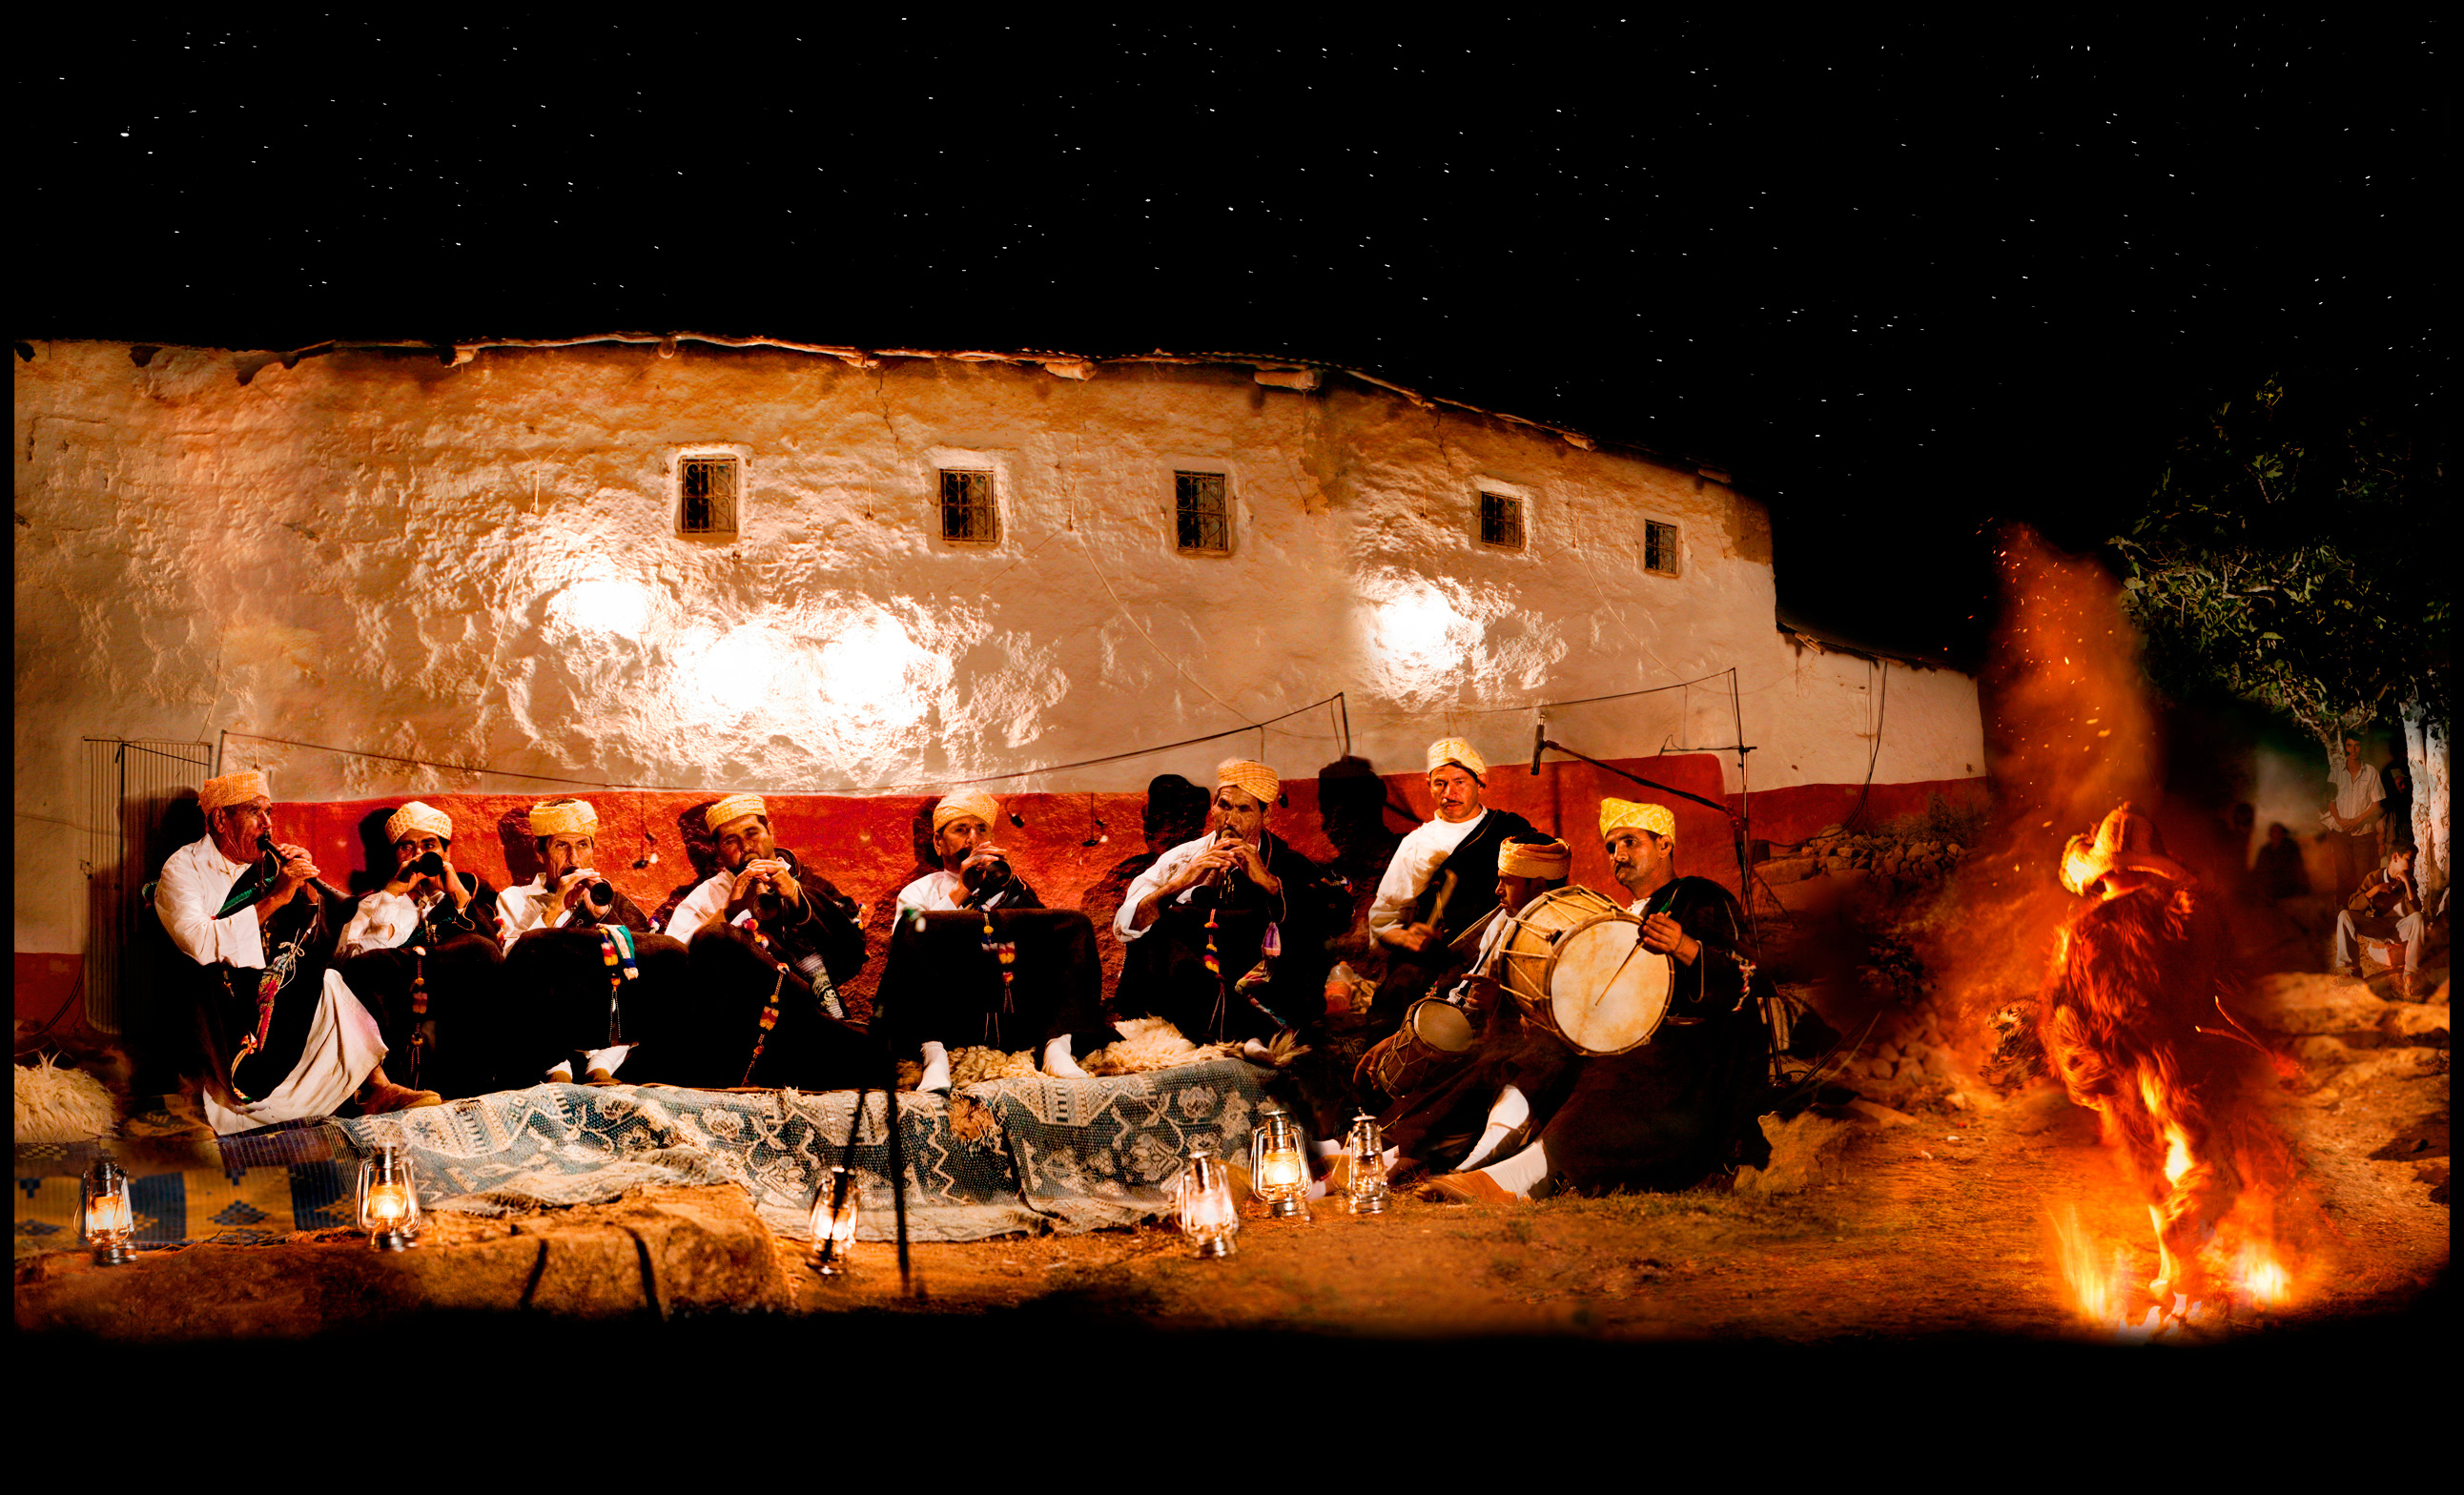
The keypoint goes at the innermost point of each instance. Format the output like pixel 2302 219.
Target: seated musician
pixel 1529 866
pixel 1438 884
pixel 2386 906
pixel 973 873
pixel 1227 935
pixel 1036 986
pixel 285 1037
pixel 568 891
pixel 582 963
pixel 423 945
pixel 770 939
pixel 1660 1116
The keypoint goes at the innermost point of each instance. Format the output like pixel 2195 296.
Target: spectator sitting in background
pixel 2385 907
pixel 2278 864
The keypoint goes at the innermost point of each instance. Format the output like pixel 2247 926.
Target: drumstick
pixel 1475 926
pixel 1612 976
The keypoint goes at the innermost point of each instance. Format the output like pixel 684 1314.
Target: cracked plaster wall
pixel 478 564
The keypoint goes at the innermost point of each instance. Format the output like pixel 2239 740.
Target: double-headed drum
pixel 1435 1035
pixel 1574 963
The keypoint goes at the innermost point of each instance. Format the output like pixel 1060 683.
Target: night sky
pixel 1903 280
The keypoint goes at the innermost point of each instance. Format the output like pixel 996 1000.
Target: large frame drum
pixel 1575 963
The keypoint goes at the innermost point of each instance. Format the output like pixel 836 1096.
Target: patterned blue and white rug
pixel 1005 1155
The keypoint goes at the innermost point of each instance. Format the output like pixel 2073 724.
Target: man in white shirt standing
pixel 2352 821
pixel 285 1037
pixel 1442 880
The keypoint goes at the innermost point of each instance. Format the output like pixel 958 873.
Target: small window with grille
pixel 968 512
pixel 1658 548
pixel 1500 520
pixel 1202 514
pixel 706 495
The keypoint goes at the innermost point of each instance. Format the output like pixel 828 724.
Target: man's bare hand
pixel 575 888
pixel 1664 936
pixel 1413 937
pixel 770 872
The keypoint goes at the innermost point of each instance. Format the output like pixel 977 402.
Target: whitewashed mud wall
pixel 478 564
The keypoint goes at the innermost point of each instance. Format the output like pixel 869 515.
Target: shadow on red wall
pixel 1081 850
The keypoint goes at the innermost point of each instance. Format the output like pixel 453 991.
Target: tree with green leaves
pixel 2290 555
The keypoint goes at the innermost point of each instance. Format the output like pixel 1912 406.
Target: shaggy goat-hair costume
pixel 61 1104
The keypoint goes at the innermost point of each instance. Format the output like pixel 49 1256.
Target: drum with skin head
pixel 1434 1035
pixel 1575 964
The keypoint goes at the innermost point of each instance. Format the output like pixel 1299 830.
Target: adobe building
pixel 849 577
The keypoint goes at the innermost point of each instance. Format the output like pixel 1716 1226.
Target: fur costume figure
pixel 2134 1025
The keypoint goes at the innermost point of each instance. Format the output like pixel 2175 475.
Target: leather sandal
pixel 1471 1188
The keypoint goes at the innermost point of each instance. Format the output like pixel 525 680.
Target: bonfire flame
pixel 2139 966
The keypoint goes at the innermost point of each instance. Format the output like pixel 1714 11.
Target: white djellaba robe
pixel 343 1046
pixel 529 907
pixel 938 892
pixel 1415 860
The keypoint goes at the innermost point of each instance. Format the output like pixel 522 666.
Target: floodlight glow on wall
pixel 606 605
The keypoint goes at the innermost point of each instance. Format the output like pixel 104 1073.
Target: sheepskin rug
pixel 1146 1044
pixel 58 1102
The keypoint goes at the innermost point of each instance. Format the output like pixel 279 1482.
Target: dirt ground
pixel 1931 1220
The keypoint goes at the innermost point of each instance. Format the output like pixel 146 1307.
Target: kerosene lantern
pixel 1279 1164
pixel 835 1203
pixel 110 1226
pixel 388 1199
pixel 1202 1196
pixel 1364 1151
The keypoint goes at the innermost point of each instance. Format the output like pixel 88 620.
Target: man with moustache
pixel 424 948
pixel 770 941
pixel 1439 882
pixel 1663 1115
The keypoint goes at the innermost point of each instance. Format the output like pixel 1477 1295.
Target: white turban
pixel 1463 755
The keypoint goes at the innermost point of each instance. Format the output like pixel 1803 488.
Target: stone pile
pixel 1918 855
pixel 2347 1037
pixel 1907 1060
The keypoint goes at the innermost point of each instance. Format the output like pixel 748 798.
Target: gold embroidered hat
pixel 962 804
pixel 1549 859
pixel 735 807
pixel 1653 818
pixel 417 818
pixel 1255 780
pixel 564 817
pixel 231 789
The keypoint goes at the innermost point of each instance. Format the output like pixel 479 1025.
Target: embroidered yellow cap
pixel 1653 818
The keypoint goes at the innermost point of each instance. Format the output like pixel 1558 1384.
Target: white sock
pixel 1057 1060
pixel 937 1069
pixel 1256 1053
pixel 562 1073
pixel 1518 1174
pixel 1510 1112
pixel 610 1059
